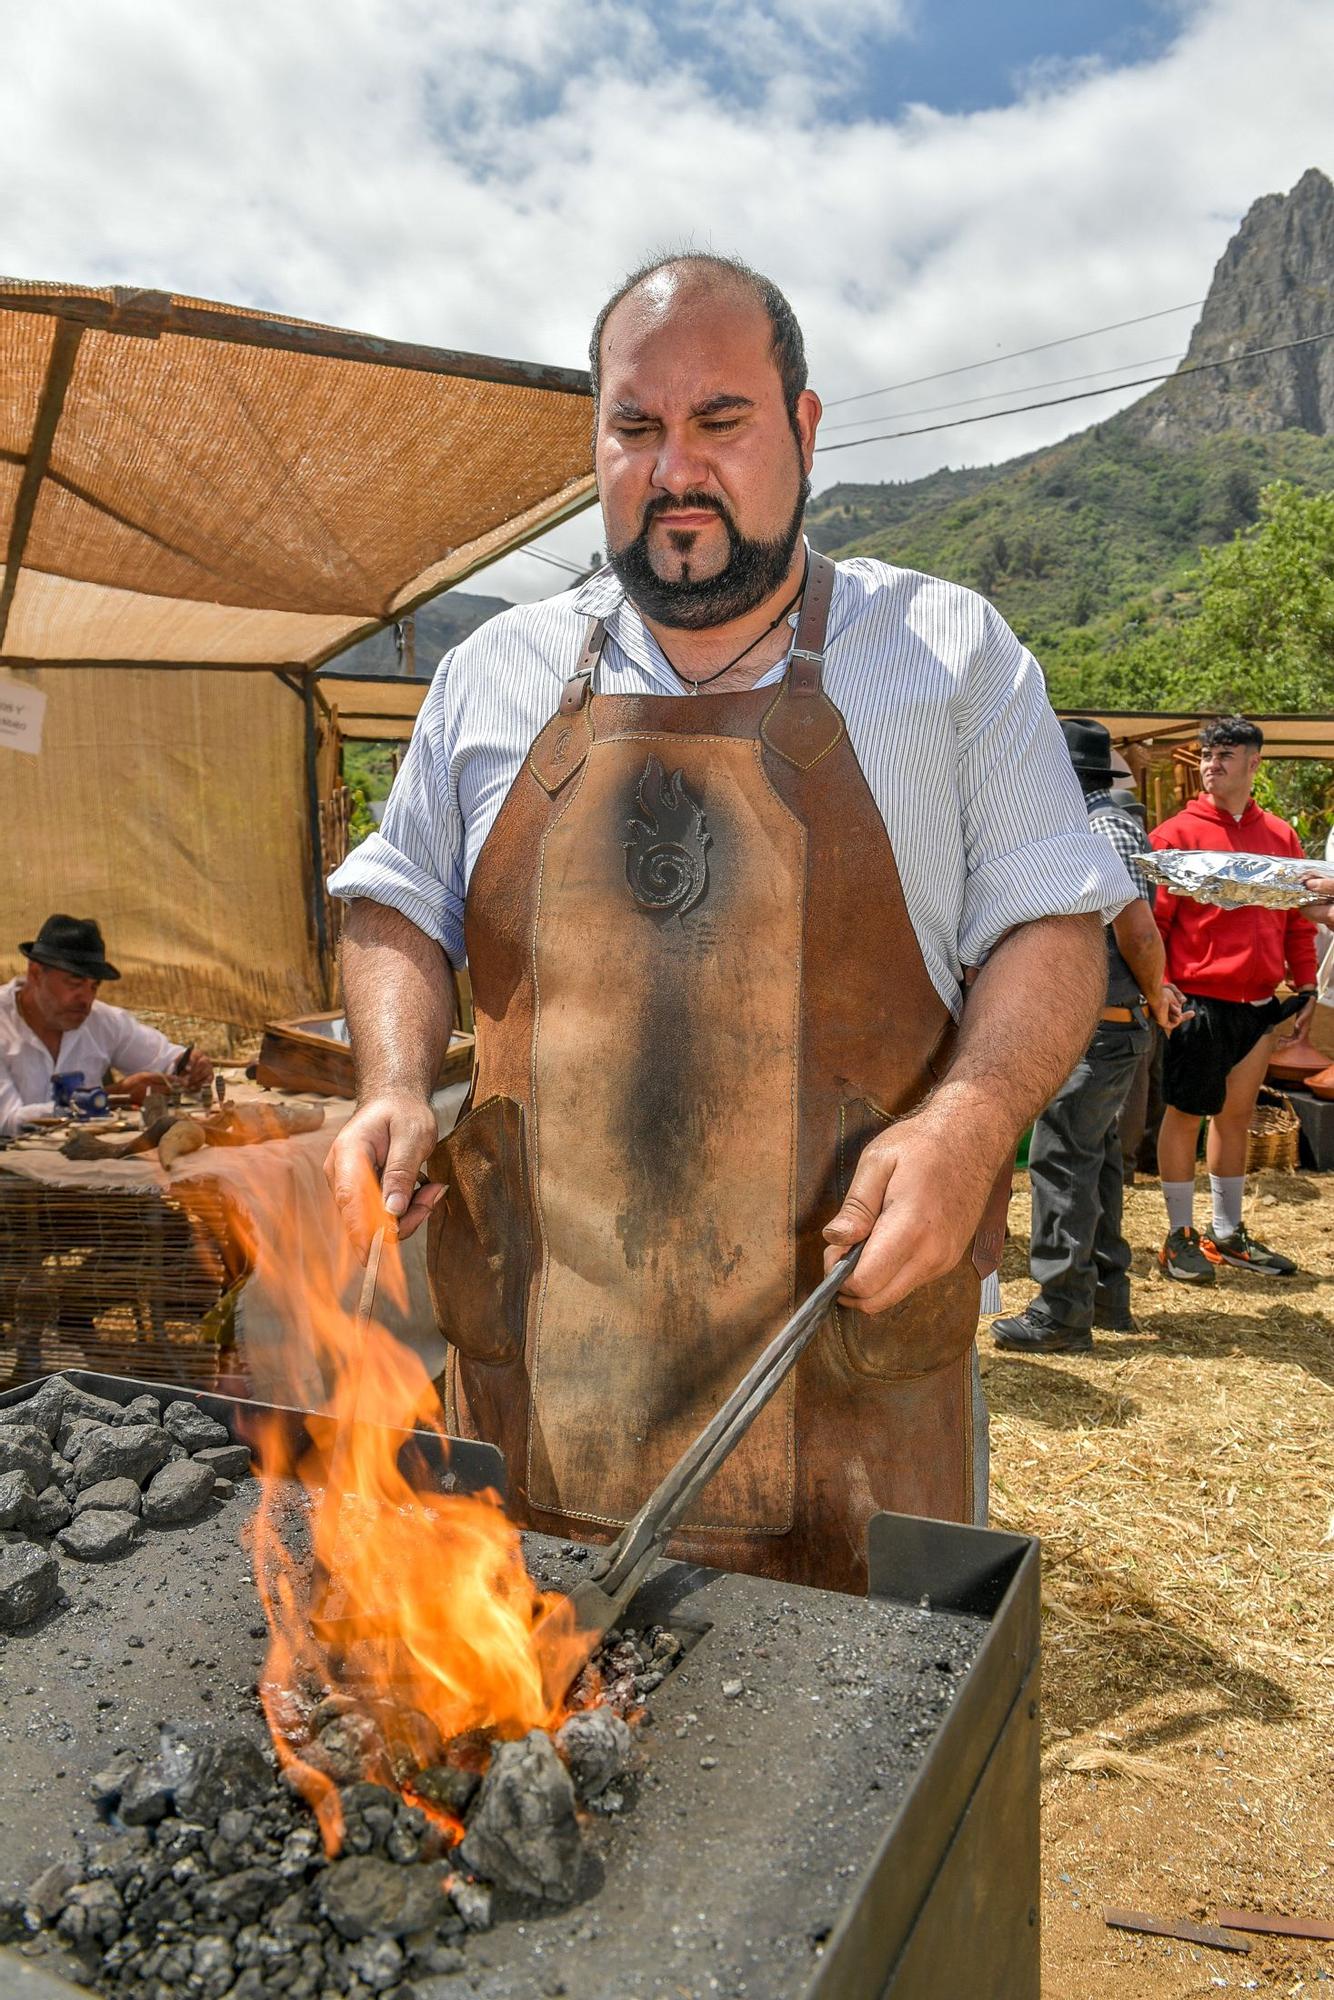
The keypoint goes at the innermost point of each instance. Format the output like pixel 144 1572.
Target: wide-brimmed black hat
pixel 1090 746
pixel 71 944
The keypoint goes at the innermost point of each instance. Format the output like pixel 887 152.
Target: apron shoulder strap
pixel 803 725
pixel 560 749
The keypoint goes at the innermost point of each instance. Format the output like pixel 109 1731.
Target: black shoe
pixel 1182 1258
pixel 1246 1253
pixel 1114 1318
pixel 1031 1332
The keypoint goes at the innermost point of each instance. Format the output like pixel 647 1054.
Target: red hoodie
pixel 1232 954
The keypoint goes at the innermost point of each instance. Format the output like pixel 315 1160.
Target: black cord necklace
pixel 709 679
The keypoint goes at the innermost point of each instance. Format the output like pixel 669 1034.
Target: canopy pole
pixel 316 843
pixel 59 368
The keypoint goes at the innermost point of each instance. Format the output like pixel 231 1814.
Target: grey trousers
pixel 1077 1253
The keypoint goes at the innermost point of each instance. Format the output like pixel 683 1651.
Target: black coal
pixel 211 1882
pixel 81 1476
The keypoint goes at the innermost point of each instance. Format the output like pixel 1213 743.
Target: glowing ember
pixel 432 1610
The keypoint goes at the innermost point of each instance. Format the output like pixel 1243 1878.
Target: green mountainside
pixel 1093 540
pixel 1063 538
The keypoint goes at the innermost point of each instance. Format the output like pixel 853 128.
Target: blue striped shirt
pixel 947 712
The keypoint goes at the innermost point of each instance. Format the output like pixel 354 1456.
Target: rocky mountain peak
pixel 1273 283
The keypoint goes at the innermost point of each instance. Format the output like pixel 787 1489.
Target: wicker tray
pixel 1275 1127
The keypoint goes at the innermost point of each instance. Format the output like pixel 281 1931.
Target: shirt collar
pixel 602 595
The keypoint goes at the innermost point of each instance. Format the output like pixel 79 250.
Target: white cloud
pixel 481 177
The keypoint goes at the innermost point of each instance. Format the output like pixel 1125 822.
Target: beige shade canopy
pixel 198 487
pixel 191 484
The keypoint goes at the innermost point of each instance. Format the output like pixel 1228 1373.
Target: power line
pixel 1016 354
pixel 964 402
pixel 1082 395
pixel 556 562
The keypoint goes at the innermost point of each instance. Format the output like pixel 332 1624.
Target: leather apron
pixel 698 995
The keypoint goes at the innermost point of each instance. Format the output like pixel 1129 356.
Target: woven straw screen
pixel 192 486
pixel 173 808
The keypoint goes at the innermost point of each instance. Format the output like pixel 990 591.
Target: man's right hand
pixel 1169 1007
pixel 373 1165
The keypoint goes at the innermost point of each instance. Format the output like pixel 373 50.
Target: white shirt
pixel 109 1038
pixel 947 712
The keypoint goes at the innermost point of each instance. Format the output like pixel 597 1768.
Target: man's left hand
pixel 916 1200
pixel 197 1072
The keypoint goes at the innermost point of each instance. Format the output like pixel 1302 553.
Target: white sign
pixel 21 713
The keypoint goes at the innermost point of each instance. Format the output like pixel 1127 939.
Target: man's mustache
pixel 695 503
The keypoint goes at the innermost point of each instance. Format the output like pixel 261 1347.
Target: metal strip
pixel 152 314
pixel 450 1464
pixel 313 828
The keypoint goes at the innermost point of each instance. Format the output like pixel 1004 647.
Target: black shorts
pixel 1202 1053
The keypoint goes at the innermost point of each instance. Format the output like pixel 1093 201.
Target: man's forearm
pixel 398 995
pixel 1141 946
pixel 1029 1017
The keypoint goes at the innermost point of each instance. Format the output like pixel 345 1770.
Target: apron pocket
pixel 933 1325
pixel 480 1237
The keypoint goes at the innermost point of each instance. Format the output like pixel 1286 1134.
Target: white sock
pixel 1180 1199
pixel 1229 1191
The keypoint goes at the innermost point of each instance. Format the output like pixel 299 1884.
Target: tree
pixel 1263 635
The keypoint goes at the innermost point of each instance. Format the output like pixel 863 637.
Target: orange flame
pixel 423 1644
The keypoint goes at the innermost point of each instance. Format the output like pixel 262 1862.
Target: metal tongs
pixel 599 1600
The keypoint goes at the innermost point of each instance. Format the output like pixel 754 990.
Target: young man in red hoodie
pixel 1228 963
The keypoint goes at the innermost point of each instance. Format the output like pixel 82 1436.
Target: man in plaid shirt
pixel 1077 1254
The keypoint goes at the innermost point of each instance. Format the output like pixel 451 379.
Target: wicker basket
pixel 1272 1144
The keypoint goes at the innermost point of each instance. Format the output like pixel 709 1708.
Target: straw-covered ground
pixel 1180 1480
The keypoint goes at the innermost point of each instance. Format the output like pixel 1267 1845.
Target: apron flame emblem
pixel 666 856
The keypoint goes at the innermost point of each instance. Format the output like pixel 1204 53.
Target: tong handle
pixel 640 1540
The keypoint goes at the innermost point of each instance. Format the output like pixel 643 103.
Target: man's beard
pixel 753 571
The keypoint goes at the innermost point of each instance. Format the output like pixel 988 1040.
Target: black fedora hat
pixel 71 944
pixel 1090 746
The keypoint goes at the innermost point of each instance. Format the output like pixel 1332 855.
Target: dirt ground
pixel 1180 1480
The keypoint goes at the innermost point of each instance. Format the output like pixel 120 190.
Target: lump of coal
pixel 48 1512
pixel 346 1746
pixel 363 1896
pixel 47 1896
pixel 98 1536
pixel 193 1427
pixel 228 1461
pixel 106 1786
pixel 447 1786
pixel 145 1795
pixel 29 1584
pixel 523 1833
pixel 221 1777
pixel 93 1914
pixel 595 1744
pixel 134 1451
pixel 25 1448
pixel 178 1493
pixel 56 1399
pixel 115 1496
pixel 377 1963
pixel 241 1896
pixel 472 1900
pixel 17 1495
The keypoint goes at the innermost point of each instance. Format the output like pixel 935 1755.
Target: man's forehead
pixel 677 331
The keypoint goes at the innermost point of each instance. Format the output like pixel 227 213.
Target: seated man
pixel 52 1023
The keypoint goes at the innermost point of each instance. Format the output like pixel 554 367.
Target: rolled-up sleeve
pixel 415 862
pixel 1029 850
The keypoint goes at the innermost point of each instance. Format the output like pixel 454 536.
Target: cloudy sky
pixel 934 182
